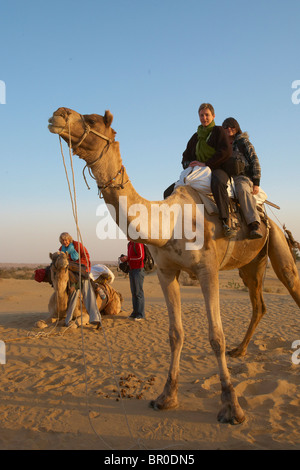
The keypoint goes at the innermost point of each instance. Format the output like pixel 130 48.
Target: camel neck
pixel 124 203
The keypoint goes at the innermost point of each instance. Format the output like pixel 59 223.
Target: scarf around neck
pixel 203 150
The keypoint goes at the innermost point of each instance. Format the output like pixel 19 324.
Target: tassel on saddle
pixel 293 244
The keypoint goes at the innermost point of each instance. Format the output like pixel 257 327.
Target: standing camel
pixel 58 303
pixel 93 140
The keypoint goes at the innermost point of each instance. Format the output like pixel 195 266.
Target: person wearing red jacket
pixel 76 251
pixel 135 258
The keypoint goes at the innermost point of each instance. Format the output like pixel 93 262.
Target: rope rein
pixel 74 208
pixel 75 215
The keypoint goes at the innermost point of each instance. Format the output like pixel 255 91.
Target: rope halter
pixel 87 130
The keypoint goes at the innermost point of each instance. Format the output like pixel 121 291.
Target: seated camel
pixel 62 278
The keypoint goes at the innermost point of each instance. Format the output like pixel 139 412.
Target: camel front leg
pixel 231 412
pixel 168 398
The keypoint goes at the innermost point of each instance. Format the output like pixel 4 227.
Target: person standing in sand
pixel 135 258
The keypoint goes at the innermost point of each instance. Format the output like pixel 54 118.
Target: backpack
pixel 123 266
pixel 148 260
pixel 43 275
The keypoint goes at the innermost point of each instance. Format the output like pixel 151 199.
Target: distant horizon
pixel 21 265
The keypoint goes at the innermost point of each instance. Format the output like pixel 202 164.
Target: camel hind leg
pixel 252 275
pixel 283 262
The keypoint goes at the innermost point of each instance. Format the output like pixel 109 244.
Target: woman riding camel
pixel 209 146
pixel 246 174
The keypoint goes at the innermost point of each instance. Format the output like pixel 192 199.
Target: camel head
pixel 59 267
pixel 60 277
pixel 89 134
pixel 59 260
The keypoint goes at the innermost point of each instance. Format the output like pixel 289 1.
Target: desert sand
pixel 59 387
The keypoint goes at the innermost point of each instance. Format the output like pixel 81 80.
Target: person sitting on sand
pixel 77 252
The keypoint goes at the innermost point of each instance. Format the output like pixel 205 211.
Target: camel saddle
pixel 75 268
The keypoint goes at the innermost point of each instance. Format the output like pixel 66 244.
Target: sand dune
pixel 59 387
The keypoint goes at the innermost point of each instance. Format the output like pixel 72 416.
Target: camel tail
pixel 292 243
pixel 282 255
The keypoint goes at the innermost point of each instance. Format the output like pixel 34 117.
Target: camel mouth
pixel 56 124
pixel 54 129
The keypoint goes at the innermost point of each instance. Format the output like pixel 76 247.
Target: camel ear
pixel 108 118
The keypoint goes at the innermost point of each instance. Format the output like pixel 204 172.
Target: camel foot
pixel 41 324
pixel 72 325
pixel 237 352
pixel 96 324
pixel 164 404
pixel 231 415
pixel 84 320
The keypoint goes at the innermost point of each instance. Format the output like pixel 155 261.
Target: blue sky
pixel 151 64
